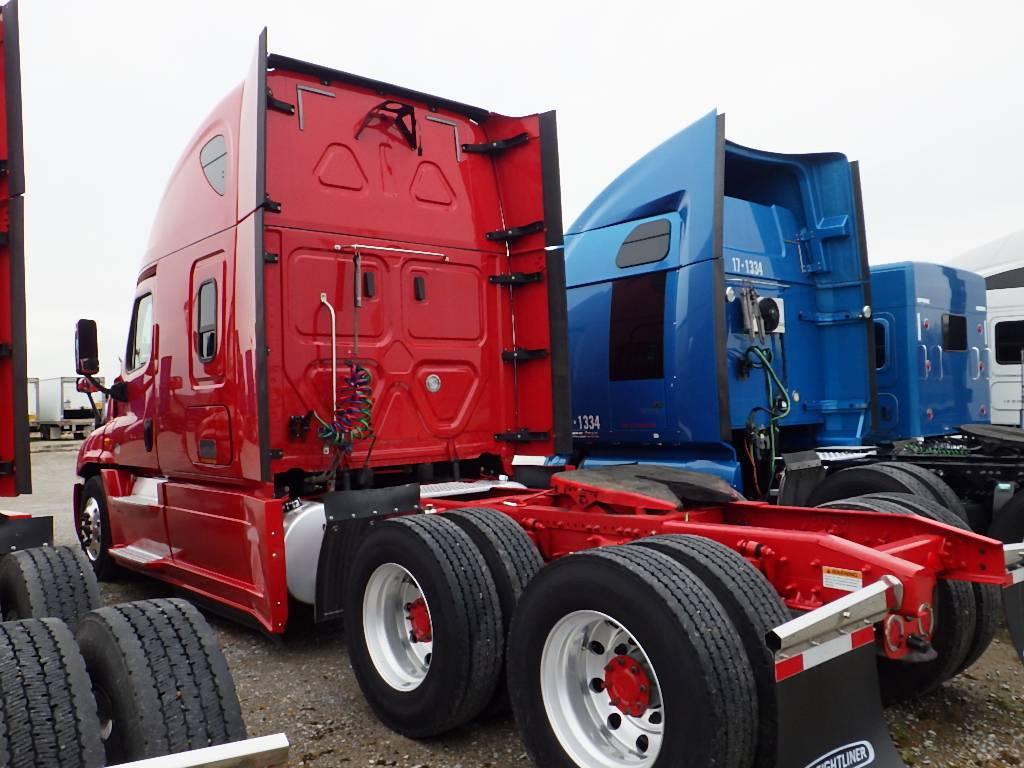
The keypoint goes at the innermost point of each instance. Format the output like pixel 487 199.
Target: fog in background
pixel 927 96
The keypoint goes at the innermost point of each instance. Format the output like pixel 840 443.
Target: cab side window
pixel 1009 342
pixel 214 159
pixel 140 338
pixel 206 321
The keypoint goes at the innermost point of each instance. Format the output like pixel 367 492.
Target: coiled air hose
pixel 352 419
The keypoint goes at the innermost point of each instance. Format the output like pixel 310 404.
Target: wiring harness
pixel 778 408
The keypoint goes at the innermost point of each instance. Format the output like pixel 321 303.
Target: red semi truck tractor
pixel 347 354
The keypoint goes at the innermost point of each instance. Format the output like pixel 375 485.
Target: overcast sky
pixel 928 96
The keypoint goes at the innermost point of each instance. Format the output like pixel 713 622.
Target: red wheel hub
pixel 419 621
pixel 627 685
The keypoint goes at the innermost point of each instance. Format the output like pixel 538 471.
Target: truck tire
pixel 987 597
pixel 956 621
pixel 48 718
pixel 513 560
pixel 417 582
pixel 161 681
pixel 92 523
pixel 620 655
pixel 859 481
pixel 937 487
pixel 43 582
pixel 754 607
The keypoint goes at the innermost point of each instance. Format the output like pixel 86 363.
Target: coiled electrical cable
pixel 352 419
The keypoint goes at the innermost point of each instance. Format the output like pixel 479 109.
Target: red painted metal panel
pixel 15 470
pixel 229 546
pixel 191 209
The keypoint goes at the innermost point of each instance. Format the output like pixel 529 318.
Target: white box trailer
pixel 33 404
pixel 62 408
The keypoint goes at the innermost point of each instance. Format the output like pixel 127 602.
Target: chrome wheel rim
pixel 105 711
pixel 91 529
pixel 400 654
pixel 580 679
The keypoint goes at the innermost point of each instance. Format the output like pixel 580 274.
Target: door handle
pixel 147 434
pixel 976 363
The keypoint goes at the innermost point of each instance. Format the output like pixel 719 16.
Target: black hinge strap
pixel 5 239
pixel 6 468
pixel 6 351
pixel 500 145
pixel 519 354
pixel 271 205
pixel 280 106
pixel 3 167
pixel 514 233
pixel 270 258
pixel 516 278
pixel 521 436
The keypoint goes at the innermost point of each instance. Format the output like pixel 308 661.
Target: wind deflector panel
pixel 15 474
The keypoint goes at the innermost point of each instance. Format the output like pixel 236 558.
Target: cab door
pixel 1006 339
pixel 133 428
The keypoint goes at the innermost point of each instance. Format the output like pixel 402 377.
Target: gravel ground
pixel 302 684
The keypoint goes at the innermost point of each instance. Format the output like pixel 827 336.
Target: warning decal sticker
pixel 841 578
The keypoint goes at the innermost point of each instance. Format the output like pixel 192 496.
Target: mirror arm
pixel 119 391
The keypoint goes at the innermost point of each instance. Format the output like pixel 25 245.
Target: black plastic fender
pixel 349 515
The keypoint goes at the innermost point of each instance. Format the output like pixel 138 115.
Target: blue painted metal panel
pixel 927 386
pixel 783 226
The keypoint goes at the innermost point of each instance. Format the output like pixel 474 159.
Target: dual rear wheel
pixel 649 654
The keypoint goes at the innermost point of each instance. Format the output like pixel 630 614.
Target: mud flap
pixel 349 515
pixel 1013 606
pixel 24 532
pixel 831 715
pixel 826 683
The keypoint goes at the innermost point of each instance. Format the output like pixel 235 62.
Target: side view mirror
pixel 86 386
pixel 87 353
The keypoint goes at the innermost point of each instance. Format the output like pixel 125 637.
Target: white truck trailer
pixel 62 408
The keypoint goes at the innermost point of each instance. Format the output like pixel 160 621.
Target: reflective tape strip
pixel 526 460
pixel 1016 576
pixel 819 654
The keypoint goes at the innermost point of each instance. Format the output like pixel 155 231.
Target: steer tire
pixel 956 622
pixel 938 488
pixel 102 563
pixel 46 582
pixel 513 560
pixel 754 607
pixel 987 597
pixel 161 681
pixel 48 714
pixel 858 481
pixel 460 675
pixel 660 614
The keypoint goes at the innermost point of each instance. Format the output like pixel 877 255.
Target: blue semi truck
pixel 723 318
